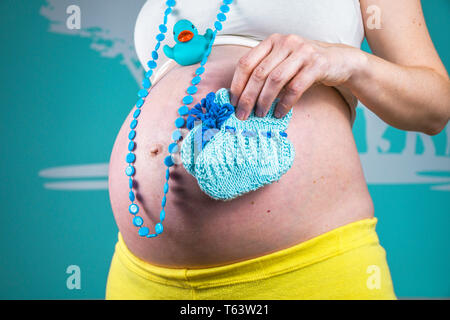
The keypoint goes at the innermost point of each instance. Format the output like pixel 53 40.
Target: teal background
pixel 62 103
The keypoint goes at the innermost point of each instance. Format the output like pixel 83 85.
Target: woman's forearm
pixel 408 98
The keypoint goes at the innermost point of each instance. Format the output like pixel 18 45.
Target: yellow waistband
pixel 325 246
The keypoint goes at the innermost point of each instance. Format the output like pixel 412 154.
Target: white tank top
pixel 333 21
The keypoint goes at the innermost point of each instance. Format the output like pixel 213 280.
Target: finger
pixel 275 82
pixel 256 82
pixel 245 67
pixel 295 88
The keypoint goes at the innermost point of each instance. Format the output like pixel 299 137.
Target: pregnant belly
pixel 324 189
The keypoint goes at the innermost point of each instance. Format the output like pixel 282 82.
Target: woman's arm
pixel 405 84
pixel 409 90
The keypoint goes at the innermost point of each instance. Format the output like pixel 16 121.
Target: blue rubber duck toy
pixel 190 46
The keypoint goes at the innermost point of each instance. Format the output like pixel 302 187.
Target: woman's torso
pixel 324 189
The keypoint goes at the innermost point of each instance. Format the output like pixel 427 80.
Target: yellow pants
pixel 345 263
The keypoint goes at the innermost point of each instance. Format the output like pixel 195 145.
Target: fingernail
pixel 240 114
pixel 277 114
pixel 259 113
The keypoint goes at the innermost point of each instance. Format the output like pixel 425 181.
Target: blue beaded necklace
pixel 179 122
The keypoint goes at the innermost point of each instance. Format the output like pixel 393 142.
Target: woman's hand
pixel 286 66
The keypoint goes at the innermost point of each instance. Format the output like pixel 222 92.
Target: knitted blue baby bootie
pixel 238 156
pixel 204 120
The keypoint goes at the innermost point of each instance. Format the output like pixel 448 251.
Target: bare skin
pixel 325 188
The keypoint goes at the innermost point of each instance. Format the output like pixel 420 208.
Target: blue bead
pixel 196 80
pixel 132 134
pixel 167 174
pixel 152 235
pixel 149 73
pixel 131 196
pixel 158 228
pixel 224 8
pixel 179 122
pixel 130 183
pixel 146 83
pixel 143 231
pixel 173 147
pixel 192 90
pixel 199 71
pixel 138 221
pixel 182 111
pixel 208 51
pixel 210 44
pixel 142 93
pixel 168 161
pixel 269 134
pixel 155 55
pixel 136 113
pixel 162 28
pixel 218 25
pixel 283 134
pixel 160 36
pixel 203 62
pixel 158 44
pixel 130 157
pixel 162 215
pixel 129 171
pixel 133 208
pixel 176 135
pixel 165 20
pixel 228 1
pixel 166 188
pixel 139 103
pixel 188 99
pixel 133 124
pixel 151 64
pixel 163 201
pixel 170 3
pixel 221 17
pixel 131 146
pixel 168 11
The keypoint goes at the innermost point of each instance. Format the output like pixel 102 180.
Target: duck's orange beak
pixel 185 36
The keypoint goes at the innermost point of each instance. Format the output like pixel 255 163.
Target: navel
pixel 156 149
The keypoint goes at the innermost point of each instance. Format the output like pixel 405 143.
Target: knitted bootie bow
pixel 230 157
